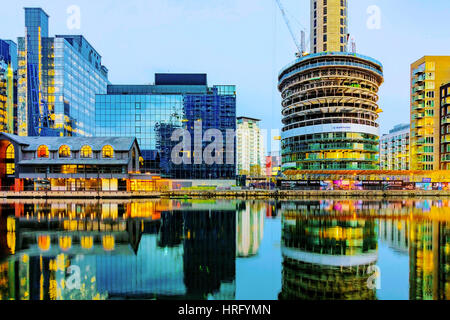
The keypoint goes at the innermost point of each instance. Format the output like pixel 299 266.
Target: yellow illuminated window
pixel 107 152
pixel 64 152
pixel 43 152
pixel 10 155
pixel 86 152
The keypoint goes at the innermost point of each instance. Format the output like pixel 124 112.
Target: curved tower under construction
pixel 329 99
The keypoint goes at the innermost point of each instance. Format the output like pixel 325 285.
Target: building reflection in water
pixel 429 251
pixel 151 250
pixel 327 251
pixel 250 227
pixel 171 249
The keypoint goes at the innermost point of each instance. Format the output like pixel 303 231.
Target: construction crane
pixel 38 109
pixel 299 44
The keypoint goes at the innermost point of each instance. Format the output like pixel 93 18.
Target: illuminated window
pixel 86 152
pixel 43 152
pixel 10 155
pixel 10 152
pixel 108 243
pixel 107 152
pixel 64 152
pixel 65 242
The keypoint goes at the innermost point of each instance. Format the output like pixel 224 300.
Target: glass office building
pixel 58 80
pixel 8 86
pixel 153 112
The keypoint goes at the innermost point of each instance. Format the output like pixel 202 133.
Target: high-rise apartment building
pixel 394 149
pixel 445 126
pixel 8 86
pixel 427 75
pixel 330 100
pixel 250 151
pixel 58 79
pixel 329 25
pixel 152 113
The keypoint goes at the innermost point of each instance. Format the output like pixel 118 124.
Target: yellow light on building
pixel 44 242
pixel 108 243
pixel 65 242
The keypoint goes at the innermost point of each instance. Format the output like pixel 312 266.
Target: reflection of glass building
pixel 121 249
pixel 430 260
pixel 250 228
pixel 395 233
pixel 325 257
pixel 209 253
pixel 153 112
pixel 65 71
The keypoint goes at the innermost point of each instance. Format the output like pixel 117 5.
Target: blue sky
pixel 241 42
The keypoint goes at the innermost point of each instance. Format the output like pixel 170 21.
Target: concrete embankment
pixel 240 194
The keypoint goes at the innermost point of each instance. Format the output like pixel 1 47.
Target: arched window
pixel 107 152
pixel 86 152
pixel 64 152
pixel 10 155
pixel 42 152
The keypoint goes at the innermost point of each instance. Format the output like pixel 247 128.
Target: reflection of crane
pixel 299 44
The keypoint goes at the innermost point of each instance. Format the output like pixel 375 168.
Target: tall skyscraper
pixel 427 75
pixel 394 149
pixel 153 112
pixel 58 79
pixel 8 86
pixel 329 100
pixel 250 151
pixel 329 25
pixel 445 126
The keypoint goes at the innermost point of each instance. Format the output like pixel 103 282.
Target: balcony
pixel 420 78
pixel 445 121
pixel 418 106
pixel 418 98
pixel 420 124
pixel 418 89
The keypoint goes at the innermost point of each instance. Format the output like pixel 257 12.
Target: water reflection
pixel 189 249
pixel 327 254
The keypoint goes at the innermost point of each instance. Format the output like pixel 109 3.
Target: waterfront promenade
pixel 226 194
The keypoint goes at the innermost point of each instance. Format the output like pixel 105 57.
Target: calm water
pixel 225 249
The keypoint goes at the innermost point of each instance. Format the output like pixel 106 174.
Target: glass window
pixel 86 152
pixel 43 152
pixel 64 151
pixel 10 165
pixel 107 152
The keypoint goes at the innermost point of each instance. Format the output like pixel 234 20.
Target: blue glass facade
pixel 66 72
pixel 8 86
pixel 153 112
